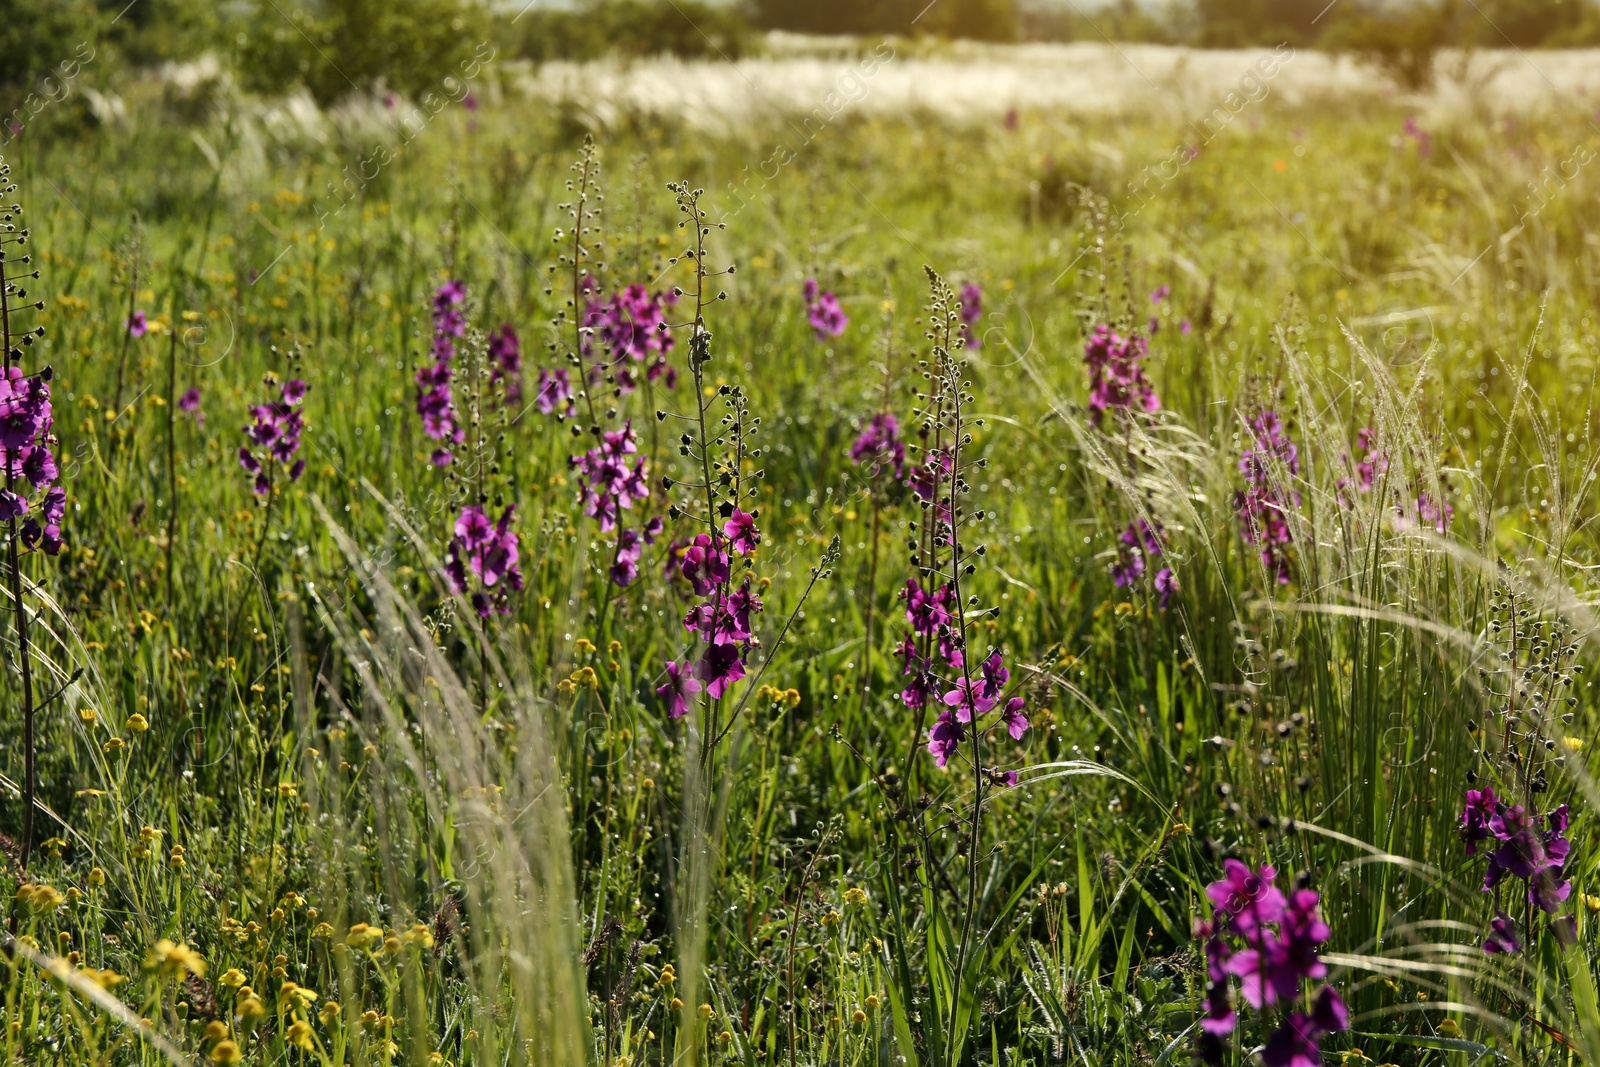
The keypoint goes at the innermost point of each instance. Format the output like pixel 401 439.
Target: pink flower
pixel 677 690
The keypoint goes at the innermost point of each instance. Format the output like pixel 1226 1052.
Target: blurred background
pixel 274 46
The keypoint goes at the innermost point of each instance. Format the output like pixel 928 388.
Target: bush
pixel 340 46
pixel 36 36
pixel 1404 44
pixel 631 28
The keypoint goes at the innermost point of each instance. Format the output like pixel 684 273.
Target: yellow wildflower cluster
pixel 783 697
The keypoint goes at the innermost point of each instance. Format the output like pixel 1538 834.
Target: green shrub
pixel 630 27
pixel 36 36
pixel 339 46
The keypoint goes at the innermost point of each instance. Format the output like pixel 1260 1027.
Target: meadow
pixel 811 561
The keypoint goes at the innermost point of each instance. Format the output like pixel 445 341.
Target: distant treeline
pixel 332 46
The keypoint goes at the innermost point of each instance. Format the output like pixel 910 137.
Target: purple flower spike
pixel 137 324
pixel 823 312
pixel 1502 936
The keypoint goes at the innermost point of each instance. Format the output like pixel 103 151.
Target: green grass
pixel 332 740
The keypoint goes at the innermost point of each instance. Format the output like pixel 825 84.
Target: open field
pixel 396 699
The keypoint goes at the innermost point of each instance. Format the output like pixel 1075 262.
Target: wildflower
pixel 1160 293
pixel 489 551
pixel 879 445
pixel 971 312
pixel 226 1052
pixel 136 723
pixel 944 738
pixel 720 667
pixel 1116 374
pixel 276 432
pixel 136 324
pixel 434 401
pixel 677 690
pixel 554 390
pixel 823 313
pixel 1166 583
pixel 505 361
pixel 741 532
pixel 189 404
pixel 175 960
pixel 1263 504
pixel 631 324
pixel 1502 936
pixel 299 1035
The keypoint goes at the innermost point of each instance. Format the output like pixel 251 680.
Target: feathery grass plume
pixel 494 795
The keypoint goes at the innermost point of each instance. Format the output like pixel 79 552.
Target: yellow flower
pixel 288 789
pixel 233 976
pixel 250 1008
pixel 873 1001
pixel 299 1034
pixel 175 960
pixel 149 833
pixel 88 716
pixel 97 876
pixel 705 1011
pixel 226 1052
pixel 136 723
pixel 858 1016
pixel 298 994
pixel 1449 1028
pixel 855 895
pixel 676 1005
pixel 1591 902
pixel 112 745
pixel 1573 745
pixel 322 930
pixel 330 1011
pixel 216 1030
pixel 40 897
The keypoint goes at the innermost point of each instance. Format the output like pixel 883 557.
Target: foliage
pixel 339 47
pixel 690 29
pixel 1279 535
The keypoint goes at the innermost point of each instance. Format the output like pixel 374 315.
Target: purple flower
pixel 1248 898
pixel 742 533
pixel 971 312
pixel 879 445
pixel 1166 584
pixel 276 431
pixel 1263 504
pixel 944 738
pixel 1480 808
pixel 1160 293
pixel 1014 718
pixel 704 565
pixel 630 546
pixel 489 552
pixel 189 403
pixel 1502 936
pixel 1293 1044
pixel 505 361
pixel 137 324
pixel 1116 374
pixel 826 317
pixel 719 668
pixel 677 690
pixel 555 390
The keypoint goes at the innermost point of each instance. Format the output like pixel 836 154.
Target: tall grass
pixel 485 841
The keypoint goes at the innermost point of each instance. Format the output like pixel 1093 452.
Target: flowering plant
pixel 1269 941
pixel 1263 504
pixel 823 313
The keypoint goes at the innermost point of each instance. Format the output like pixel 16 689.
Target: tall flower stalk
pixel 28 441
pixel 937 651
